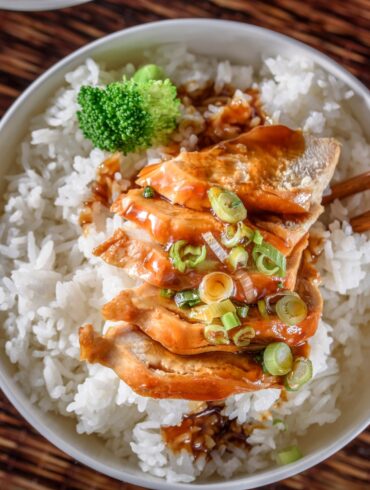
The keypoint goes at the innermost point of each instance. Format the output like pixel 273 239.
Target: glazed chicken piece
pixel 161 319
pixel 146 261
pixel 290 228
pixel 151 263
pixel 150 370
pixel 163 221
pixel 271 168
pixel 164 322
pixel 167 223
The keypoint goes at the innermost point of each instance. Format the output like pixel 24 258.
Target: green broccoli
pixel 130 115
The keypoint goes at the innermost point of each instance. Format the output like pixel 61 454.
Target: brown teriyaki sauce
pixel 202 432
pixel 103 189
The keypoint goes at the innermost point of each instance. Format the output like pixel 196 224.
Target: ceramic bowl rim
pixel 254 480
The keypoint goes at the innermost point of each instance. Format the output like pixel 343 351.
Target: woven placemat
pixel 32 42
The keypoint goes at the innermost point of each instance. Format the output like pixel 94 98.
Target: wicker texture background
pixel 32 42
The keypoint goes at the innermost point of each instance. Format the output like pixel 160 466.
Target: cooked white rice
pixel 51 284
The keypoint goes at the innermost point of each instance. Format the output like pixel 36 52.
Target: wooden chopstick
pixel 347 188
pixel 361 223
pixel 360 183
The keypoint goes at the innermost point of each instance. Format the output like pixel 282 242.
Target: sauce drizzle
pixel 102 189
pixel 204 431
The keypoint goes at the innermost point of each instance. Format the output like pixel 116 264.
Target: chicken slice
pixel 167 223
pixel 271 168
pixel 290 228
pixel 163 221
pixel 150 262
pixel 164 322
pixel 146 261
pixel 150 370
pixel 161 319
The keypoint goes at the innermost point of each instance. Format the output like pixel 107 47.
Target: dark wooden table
pixel 32 42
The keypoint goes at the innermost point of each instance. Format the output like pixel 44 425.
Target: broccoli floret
pixel 128 116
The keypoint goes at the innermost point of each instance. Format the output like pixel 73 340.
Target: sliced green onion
pixel 149 72
pixel 185 256
pixel 278 358
pixel 207 265
pixel 192 250
pixel 207 313
pixel 167 293
pixel 275 297
pixel 231 237
pixel 289 455
pixel 226 205
pixel 243 337
pixel 265 266
pixel 216 335
pixel 175 255
pixel 220 309
pixel 230 320
pixel 196 255
pixel 187 298
pixel 242 311
pixel 257 238
pixel 277 260
pixel 148 192
pixel 291 309
pixel 216 287
pixel 200 313
pixel 262 308
pixel 238 257
pixel 300 374
pixel 280 285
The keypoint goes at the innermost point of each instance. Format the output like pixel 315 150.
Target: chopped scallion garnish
pixel 215 287
pixel 175 255
pixel 148 192
pixel 278 358
pixel 272 299
pixel 216 335
pixel 231 237
pixel 269 260
pixel 289 455
pixel 243 337
pixel 167 293
pixel 291 309
pixel 184 256
pixel 238 257
pixel 242 311
pixel 262 308
pixel 265 266
pixel 207 313
pixel 300 374
pixel 188 298
pixel 226 205
pixel 257 238
pixel 194 255
pixel 230 320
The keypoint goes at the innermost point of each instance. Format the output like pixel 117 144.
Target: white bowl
pixel 29 5
pixel 241 43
